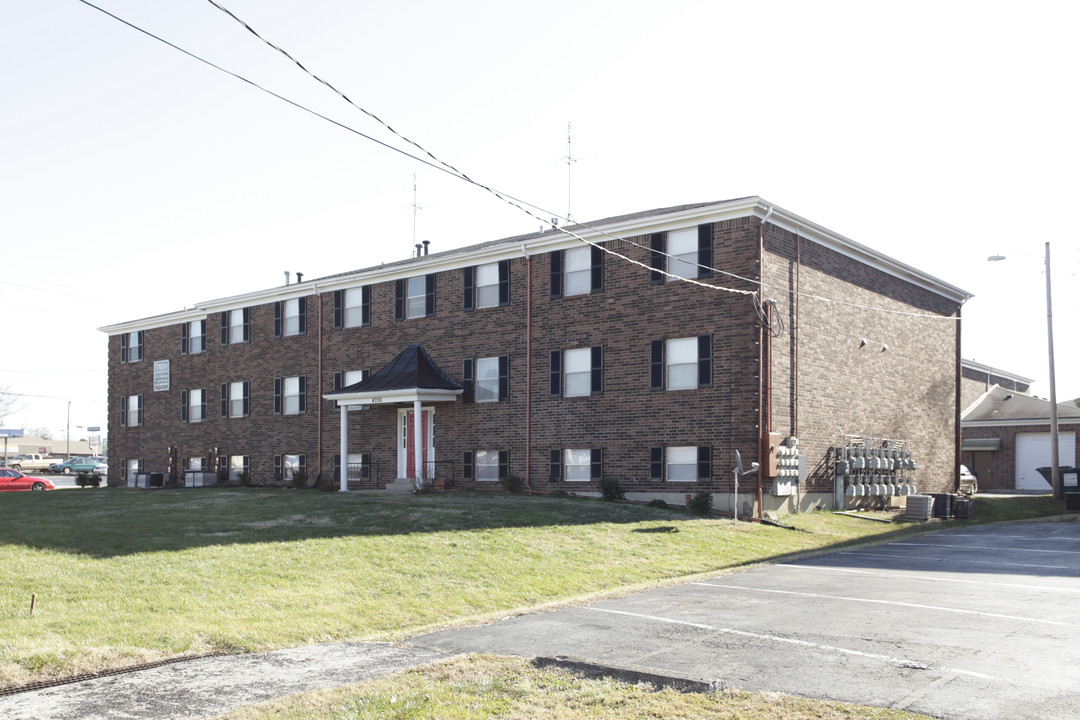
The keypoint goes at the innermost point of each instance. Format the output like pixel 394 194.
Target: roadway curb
pixel 682 683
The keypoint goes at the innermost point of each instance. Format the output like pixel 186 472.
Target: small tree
pixel 701 503
pixel 611 489
pixel 87 480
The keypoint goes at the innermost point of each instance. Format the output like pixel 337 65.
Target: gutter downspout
pixel 761 362
pixel 528 369
pixel 319 405
pixel 958 435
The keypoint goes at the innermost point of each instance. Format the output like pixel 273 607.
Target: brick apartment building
pixel 562 362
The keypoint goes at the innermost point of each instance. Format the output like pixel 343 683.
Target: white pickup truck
pixel 33 462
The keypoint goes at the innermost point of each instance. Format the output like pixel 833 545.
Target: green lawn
pixel 124 576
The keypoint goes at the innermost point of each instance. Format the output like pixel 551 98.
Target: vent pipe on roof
pixel 299 277
pixel 286 277
pixel 418 246
pixel 426 243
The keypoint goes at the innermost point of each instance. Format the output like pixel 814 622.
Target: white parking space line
pixel 902 662
pixel 1050 538
pixel 886 602
pixel 968 562
pixel 984 547
pixel 929 578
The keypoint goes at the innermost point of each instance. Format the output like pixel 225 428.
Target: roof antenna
pixel 569 160
pixel 415 209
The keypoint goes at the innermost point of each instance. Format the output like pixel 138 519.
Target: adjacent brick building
pixel 562 362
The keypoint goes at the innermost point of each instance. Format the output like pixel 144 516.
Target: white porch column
pixel 344 448
pixel 419 441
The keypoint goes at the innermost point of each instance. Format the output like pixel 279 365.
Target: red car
pixel 15 480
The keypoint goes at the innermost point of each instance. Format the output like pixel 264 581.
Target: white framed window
pixel 290 465
pixel 236 326
pixel 131 411
pixel 195 463
pixel 578 369
pixel 577 465
pixel 578 271
pixel 196 405
pixel 487 379
pixel 487 465
pixel 291 396
pixel 237 464
pixel 681 464
pixel 351 377
pixel 291 319
pixel 682 363
pixel 132 470
pixel 237 399
pixel 487 285
pixel 682 249
pixel 416 297
pixel 134 346
pixel 354 307
pixel 196 337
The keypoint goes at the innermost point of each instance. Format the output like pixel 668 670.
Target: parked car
pixel 102 469
pixel 32 461
pixel 969 481
pixel 75 465
pixel 14 480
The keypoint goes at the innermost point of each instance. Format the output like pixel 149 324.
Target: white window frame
pixel 290 395
pixel 577 465
pixel 486 466
pixel 682 251
pixel 236 466
pixel 486 387
pixel 236 399
pixel 236 326
pixel 134 405
pixel 416 297
pixel 134 350
pixel 195 463
pixel 196 402
pixel 577 271
pixel 682 374
pixel 681 464
pixel 354 307
pixel 577 372
pixel 196 337
pixel 487 285
pixel 289 465
pixel 351 377
pixel 290 320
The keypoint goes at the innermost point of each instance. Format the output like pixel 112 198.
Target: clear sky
pixel 137 181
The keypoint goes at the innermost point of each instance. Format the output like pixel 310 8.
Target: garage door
pixel 1033 451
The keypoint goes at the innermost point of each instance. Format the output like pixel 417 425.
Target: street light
pixel 1055 482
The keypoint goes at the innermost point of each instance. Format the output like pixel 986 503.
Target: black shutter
pixel 339 309
pixel 504 282
pixel 656 463
pixel 224 400
pixel 705 250
pixel 247 324
pixel 504 377
pixel 555 465
pixel 468 282
pixel 184 338
pixel 365 305
pixel 303 393
pixel 467 381
pixel 142 347
pixel 365 466
pixel 277 395
pixel 467 466
pixel 202 404
pixel 704 463
pixel 656 258
pixel 303 315
pixel 123 411
pixel 138 405
pixel 247 403
pixel 429 296
pixel 277 467
pixel 556 274
pixel 399 299
pixel 337 468
pixel 597 269
pixel 504 464
pixel 656 365
pixel 224 327
pixel 124 348
pixel 337 381
pixel 556 373
pixel 597 370
pixel 596 464
pixel 202 335
pixel 303 463
pixel 277 319
pixel 704 367
pixel 183 406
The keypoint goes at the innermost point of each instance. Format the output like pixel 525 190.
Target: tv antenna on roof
pixel 570 159
pixel 415 208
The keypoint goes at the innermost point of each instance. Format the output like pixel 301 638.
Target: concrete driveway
pixel 967 623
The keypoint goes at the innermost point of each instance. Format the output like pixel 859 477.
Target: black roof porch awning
pixel 411 376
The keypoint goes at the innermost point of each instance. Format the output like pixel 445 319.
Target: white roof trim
pixel 971 364
pixel 392 397
pixel 548 241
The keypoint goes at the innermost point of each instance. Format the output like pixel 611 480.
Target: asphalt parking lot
pixel 967 623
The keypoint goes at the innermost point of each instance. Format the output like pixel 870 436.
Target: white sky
pixel 137 181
